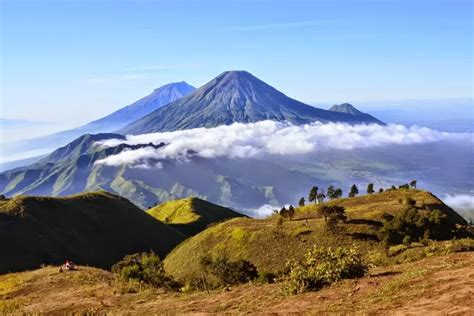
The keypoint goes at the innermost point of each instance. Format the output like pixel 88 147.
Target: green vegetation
pixel 269 243
pixel 221 271
pixel 322 267
pixel 96 229
pixel 143 267
pixel 191 215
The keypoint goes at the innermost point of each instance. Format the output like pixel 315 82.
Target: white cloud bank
pixel 269 138
pixel 463 202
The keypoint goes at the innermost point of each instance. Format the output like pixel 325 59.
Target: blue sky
pixel 74 61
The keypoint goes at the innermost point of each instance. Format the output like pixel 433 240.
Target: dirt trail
pixel 437 285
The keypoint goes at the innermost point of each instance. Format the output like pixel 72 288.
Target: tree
pixel 404 186
pixel 284 212
pixel 330 192
pixel 313 194
pixel 413 184
pixel 370 188
pixel 301 202
pixel 354 191
pixel 337 193
pixel 321 196
pixel 380 190
pixel 334 211
pixel 393 187
pixel 291 212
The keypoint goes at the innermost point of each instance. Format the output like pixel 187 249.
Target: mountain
pixel 351 110
pixel 234 96
pixel 118 119
pixel 71 169
pixel 158 98
pixel 191 215
pixel 95 229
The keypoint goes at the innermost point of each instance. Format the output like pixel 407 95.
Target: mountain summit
pixel 351 110
pixel 234 96
pixel 118 119
pixel 345 108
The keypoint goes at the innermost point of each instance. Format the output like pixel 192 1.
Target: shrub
pixel 322 267
pixel 418 224
pixel 266 277
pixel 229 272
pixel 143 267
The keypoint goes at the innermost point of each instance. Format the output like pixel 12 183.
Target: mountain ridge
pixel 158 98
pixel 234 96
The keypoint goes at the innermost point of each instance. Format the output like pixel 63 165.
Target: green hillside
pixel 268 243
pixel 95 229
pixel 191 215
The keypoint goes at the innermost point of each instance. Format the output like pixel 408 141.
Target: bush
pixel 416 224
pixel 143 267
pixel 229 272
pixel 266 277
pixel 322 267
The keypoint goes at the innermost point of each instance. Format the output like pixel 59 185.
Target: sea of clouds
pixel 268 138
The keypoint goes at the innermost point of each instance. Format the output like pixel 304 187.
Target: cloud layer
pixel 270 138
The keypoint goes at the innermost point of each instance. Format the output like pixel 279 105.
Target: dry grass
pixel 442 283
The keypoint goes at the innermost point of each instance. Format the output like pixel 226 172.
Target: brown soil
pixel 438 285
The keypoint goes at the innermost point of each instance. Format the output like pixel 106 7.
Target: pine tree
pixel 321 197
pixel 370 188
pixel 330 192
pixel 291 212
pixel 354 191
pixel 413 184
pixel 301 202
pixel 313 194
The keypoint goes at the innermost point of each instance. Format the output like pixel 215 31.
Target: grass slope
pixel 95 229
pixel 191 215
pixel 440 283
pixel 268 244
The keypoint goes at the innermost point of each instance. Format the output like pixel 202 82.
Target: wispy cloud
pixel 115 78
pixel 153 68
pixel 281 26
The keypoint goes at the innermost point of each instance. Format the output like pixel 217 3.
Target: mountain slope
pixel 440 283
pixel 191 215
pixel 92 229
pixel 234 96
pixel 158 98
pixel 267 243
pixel 351 110
pixel 240 183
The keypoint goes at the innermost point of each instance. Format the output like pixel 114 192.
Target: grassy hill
pixel 191 215
pixel 438 283
pixel 268 243
pixel 95 229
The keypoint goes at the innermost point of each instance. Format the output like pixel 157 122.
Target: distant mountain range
pixel 158 98
pixel 234 96
pixel 237 96
pixel 242 183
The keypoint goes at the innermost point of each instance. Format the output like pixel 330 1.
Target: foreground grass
pixel 442 282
